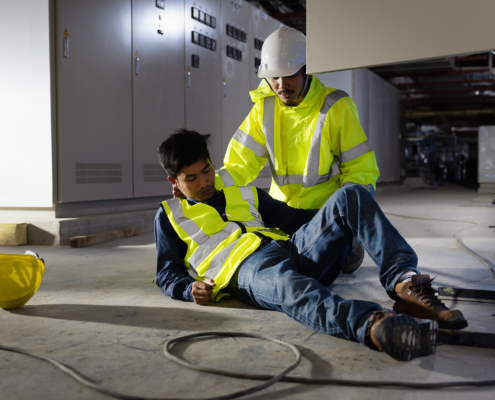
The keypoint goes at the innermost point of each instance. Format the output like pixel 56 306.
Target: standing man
pixel 309 134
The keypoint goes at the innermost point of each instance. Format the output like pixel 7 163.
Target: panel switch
pixel 195 61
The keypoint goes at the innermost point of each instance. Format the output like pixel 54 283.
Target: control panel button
pixel 195 37
pixel 195 61
pixel 160 4
pixel 208 43
pixel 207 19
pixel 195 13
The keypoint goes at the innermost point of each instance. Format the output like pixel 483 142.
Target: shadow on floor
pixel 142 317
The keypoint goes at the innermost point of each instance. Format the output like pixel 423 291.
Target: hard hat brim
pixel 277 73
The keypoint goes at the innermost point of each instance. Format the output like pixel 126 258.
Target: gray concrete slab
pixel 99 310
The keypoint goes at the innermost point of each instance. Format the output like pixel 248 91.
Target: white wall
pixel 377 102
pixel 25 109
pixel 341 80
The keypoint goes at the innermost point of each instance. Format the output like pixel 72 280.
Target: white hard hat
pixel 283 53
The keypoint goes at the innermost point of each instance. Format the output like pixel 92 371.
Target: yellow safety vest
pixel 313 149
pixel 216 244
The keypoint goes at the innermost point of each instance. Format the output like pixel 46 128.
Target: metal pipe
pixel 462 82
pixel 455 72
pixel 414 114
pixel 449 100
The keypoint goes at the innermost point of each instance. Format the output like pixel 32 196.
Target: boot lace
pixel 426 293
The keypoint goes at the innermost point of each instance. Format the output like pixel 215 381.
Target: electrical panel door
pixel 203 84
pixel 235 39
pixel 94 99
pixel 158 88
pixel 260 26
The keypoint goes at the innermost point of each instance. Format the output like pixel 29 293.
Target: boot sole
pixel 405 307
pixel 455 325
pixel 404 338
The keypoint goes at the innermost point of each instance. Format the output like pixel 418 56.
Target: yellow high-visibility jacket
pixel 217 244
pixel 313 149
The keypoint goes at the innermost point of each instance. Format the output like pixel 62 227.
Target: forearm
pixel 177 286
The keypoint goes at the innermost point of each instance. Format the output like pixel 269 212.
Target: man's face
pixel 196 181
pixel 288 88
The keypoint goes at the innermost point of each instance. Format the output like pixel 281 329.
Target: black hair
pixel 182 149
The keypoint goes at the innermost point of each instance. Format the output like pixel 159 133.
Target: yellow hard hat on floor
pixel 20 278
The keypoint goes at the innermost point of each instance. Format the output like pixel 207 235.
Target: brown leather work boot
pixel 401 336
pixel 418 299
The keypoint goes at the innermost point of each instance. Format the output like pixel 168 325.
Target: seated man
pixel 241 242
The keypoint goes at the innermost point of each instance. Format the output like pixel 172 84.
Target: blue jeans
pixel 293 276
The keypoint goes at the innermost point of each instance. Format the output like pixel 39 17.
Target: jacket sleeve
pixel 171 273
pixel 349 143
pixel 246 154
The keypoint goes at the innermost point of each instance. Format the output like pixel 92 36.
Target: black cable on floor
pixel 269 379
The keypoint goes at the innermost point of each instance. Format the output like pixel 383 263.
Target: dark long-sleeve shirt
pixel 171 273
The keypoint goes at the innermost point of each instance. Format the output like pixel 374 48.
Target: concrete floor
pixel 98 310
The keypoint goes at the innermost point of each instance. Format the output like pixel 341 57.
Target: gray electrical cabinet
pixel 235 41
pixel 158 88
pixel 203 72
pixel 260 26
pixel 94 99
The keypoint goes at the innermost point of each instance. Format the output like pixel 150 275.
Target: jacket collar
pixel 264 90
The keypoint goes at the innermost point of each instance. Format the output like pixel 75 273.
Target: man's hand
pixel 178 194
pixel 201 291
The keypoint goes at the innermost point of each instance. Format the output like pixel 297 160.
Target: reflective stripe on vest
pixel 249 142
pixel 226 177
pixel 231 231
pixel 248 196
pixel 312 178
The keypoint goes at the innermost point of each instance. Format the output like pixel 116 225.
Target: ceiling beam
pixel 435 83
pixel 290 15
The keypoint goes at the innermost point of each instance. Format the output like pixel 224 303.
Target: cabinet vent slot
pixel 154 173
pixel 98 173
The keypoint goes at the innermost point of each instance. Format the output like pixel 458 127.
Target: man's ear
pixel 173 181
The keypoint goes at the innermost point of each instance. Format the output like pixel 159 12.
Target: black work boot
pixel 419 300
pixel 401 336
pixel 355 259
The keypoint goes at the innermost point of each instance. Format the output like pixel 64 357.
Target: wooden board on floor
pixel 13 234
pixel 102 237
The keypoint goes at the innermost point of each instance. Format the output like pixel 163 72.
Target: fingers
pixel 210 282
pixel 178 194
pixel 201 291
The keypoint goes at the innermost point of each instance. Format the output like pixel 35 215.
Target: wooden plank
pixel 102 237
pixel 13 234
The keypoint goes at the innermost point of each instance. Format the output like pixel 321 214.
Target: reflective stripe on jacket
pixel 217 244
pixel 313 149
